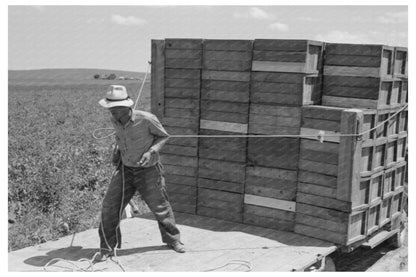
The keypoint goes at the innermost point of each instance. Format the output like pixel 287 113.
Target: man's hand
pixel 144 161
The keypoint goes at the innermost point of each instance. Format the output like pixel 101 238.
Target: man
pixel 139 137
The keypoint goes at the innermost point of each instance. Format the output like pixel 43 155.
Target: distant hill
pixel 68 74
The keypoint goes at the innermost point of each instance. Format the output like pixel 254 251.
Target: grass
pixel 58 173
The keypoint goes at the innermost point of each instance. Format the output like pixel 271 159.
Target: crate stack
pixel 224 111
pixel 351 187
pixel 182 82
pixel 285 76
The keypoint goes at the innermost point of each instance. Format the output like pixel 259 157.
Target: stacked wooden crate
pixel 182 75
pixel 352 186
pixel 224 111
pixel 285 76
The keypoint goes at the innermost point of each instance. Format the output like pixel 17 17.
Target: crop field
pixel 58 173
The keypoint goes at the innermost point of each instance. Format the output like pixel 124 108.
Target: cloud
pixel 127 20
pixel 343 37
pixel 309 19
pixel 279 27
pixel 255 13
pixel 393 17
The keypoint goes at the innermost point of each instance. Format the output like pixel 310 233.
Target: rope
pixel 141 87
pixel 320 136
pixel 239 262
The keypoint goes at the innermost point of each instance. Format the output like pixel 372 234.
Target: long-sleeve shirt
pixel 140 134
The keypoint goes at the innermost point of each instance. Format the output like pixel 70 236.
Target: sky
pixel 119 37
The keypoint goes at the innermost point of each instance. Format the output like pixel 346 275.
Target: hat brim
pixel 110 104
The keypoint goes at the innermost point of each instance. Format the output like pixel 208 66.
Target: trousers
pixel 150 183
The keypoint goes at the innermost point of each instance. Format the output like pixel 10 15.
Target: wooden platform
pixel 212 246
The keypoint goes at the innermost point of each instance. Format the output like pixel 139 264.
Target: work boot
pixel 177 246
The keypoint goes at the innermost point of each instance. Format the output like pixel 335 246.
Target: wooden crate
pixel 227 55
pixel 183 53
pixel 373 219
pixel 274 152
pixel 361 92
pixel 330 225
pixel 389 182
pixel 306 92
pixel 224 111
pixel 221 170
pixel 274 119
pixel 271 182
pixel 231 149
pixel 400 176
pixel 401 148
pixel 391 152
pixel 279 55
pixel 400 62
pixel 220 204
pixel 358 60
pixel 385 210
pixel 269 217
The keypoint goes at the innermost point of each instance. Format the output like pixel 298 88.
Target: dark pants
pixel 151 185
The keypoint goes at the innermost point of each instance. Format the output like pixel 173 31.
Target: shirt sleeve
pixel 156 128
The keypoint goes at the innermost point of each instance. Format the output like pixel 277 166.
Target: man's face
pixel 119 112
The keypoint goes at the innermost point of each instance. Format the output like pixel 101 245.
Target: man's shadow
pixel 75 253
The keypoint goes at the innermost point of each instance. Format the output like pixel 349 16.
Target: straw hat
pixel 116 96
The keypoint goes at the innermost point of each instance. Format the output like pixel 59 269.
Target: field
pixel 57 171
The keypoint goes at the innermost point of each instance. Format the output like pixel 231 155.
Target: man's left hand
pixel 144 161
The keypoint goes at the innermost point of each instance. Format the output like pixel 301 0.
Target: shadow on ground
pixel 75 253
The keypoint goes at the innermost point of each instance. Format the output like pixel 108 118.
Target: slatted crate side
pixel 184 181
pixel 401 148
pixel 391 152
pixel 369 122
pixel 357 226
pixel 223 126
pixel 403 122
pixel 186 147
pixel 221 185
pixel 222 95
pixel 274 152
pixel 373 219
pixel 183 53
pixel 221 170
pixel 319 222
pixel 358 60
pixel 376 188
pixel 179 160
pixel 402 98
pixel 224 111
pixel 315 116
pixel 157 88
pixel 220 204
pixel 296 93
pixel 389 182
pixel 400 62
pixel 192 123
pixel 220 214
pixel 269 218
pixel 385 211
pixel 297 56
pixel 379 155
pixel 221 75
pixel 183 208
pixel 400 176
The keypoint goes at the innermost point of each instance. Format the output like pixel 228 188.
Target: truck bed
pixel 212 244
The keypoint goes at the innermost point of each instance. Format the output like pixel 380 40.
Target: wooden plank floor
pixel 213 245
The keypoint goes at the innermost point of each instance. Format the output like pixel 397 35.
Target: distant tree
pixel 97 76
pixel 112 76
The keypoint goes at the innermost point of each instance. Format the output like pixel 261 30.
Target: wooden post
pixel 157 90
pixel 349 157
